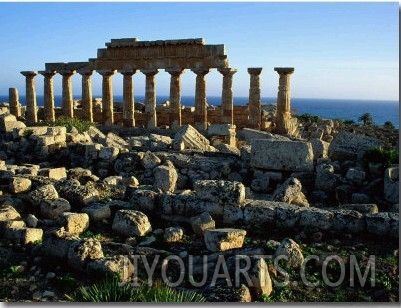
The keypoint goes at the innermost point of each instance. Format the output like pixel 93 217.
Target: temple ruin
pixel 128 56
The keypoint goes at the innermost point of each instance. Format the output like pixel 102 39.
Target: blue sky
pixel 339 50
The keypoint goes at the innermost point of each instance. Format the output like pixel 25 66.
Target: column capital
pixel 29 73
pixel 284 70
pixel 49 73
pixel 174 70
pixel 127 71
pixel 149 71
pixel 66 72
pixel 200 71
pixel 227 71
pixel 85 72
pixel 254 70
pixel 106 73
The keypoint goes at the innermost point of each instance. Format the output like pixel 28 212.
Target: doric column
pixel 31 112
pixel 150 97
pixel 87 105
pixel 13 98
pixel 128 97
pixel 254 120
pixel 200 117
pixel 227 103
pixel 48 95
pixel 107 96
pixel 283 100
pixel 68 102
pixel 175 96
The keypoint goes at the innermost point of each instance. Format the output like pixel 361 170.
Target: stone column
pixel 283 116
pixel 48 95
pixel 150 97
pixel 107 96
pixel 254 120
pixel 128 97
pixel 13 98
pixel 175 96
pixel 31 109
pixel 87 104
pixel 68 102
pixel 200 117
pixel 227 103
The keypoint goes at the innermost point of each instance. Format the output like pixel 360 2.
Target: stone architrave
pixel 68 103
pixel 227 103
pixel 48 92
pixel 107 96
pixel 200 117
pixel 15 106
pixel 254 120
pixel 31 108
pixel 150 97
pixel 175 96
pixel 283 116
pixel 87 105
pixel 128 98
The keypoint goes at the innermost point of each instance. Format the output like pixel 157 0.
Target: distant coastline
pixel 344 109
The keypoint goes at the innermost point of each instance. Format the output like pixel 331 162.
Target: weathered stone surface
pixel 112 140
pixel 165 178
pixel 31 221
pixel 383 224
pixel 8 212
pixel 359 198
pixel 291 192
pixel 143 199
pixel 223 293
pixel 45 192
pixel 288 215
pixel 97 212
pixel 391 184
pixel 31 235
pixel 19 185
pixel 281 155
pixel 74 223
pixel 131 223
pixel 228 149
pixel 118 264
pixel 355 176
pixel 202 222
pixel 325 179
pixel 233 214
pixel 150 160
pixel 53 208
pixel 250 134
pixel 350 146
pixel 348 221
pixel 96 135
pixel 320 148
pixel 259 212
pixel 223 192
pixel 261 183
pixel 189 138
pixel 173 234
pixel 224 239
pixel 80 253
pixel 159 142
pixel 361 208
pixel 58 247
pixel 317 218
pixel 54 173
pixel 292 251
pixel 78 195
pixel 108 153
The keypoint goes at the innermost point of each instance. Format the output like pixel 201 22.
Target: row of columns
pixel 200 116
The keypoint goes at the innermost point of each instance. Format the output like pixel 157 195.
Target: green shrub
pixel 388 124
pixel 386 157
pixel 307 118
pixel 349 122
pixel 366 118
pixel 79 124
pixel 27 133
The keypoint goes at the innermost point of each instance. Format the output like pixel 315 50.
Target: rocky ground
pixel 75 206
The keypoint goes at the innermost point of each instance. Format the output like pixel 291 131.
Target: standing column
pixel 175 96
pixel 227 103
pixel 15 106
pixel 87 105
pixel 68 102
pixel 48 95
pixel 150 97
pixel 200 117
pixel 254 120
pixel 31 109
pixel 283 100
pixel 128 97
pixel 107 96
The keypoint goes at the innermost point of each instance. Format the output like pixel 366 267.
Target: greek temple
pixel 127 56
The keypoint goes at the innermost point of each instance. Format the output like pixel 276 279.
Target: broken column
pixel 87 105
pixel 200 117
pixel 31 114
pixel 15 106
pixel 128 98
pixel 68 103
pixel 254 120
pixel 283 116
pixel 150 97
pixel 227 103
pixel 175 96
pixel 107 96
pixel 48 95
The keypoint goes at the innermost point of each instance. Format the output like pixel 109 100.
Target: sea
pixel 344 109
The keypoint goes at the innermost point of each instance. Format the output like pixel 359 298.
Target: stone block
pixel 96 135
pixel 316 218
pixel 220 191
pixel 112 140
pixel 108 153
pixel 259 212
pixel 383 224
pixel 97 212
pixel 165 178
pixel 74 223
pixel 221 129
pixel 320 148
pixel 45 192
pixel 359 198
pixel 290 192
pixel 291 250
pixel 355 176
pixel 362 208
pixel 54 173
pixel 233 214
pixel 57 247
pixel 53 208
pixel 325 179
pixel 250 134
pixel 159 142
pixel 281 155
pixel 8 212
pixel 189 138
pixel 131 223
pixel 81 252
pixel 19 185
pixel 173 234
pixel 118 264
pixel 224 239
pixel 349 221
pixel 150 160
pixel 143 199
pixel 391 184
pixel 287 215
pixel 92 150
pixel 202 222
